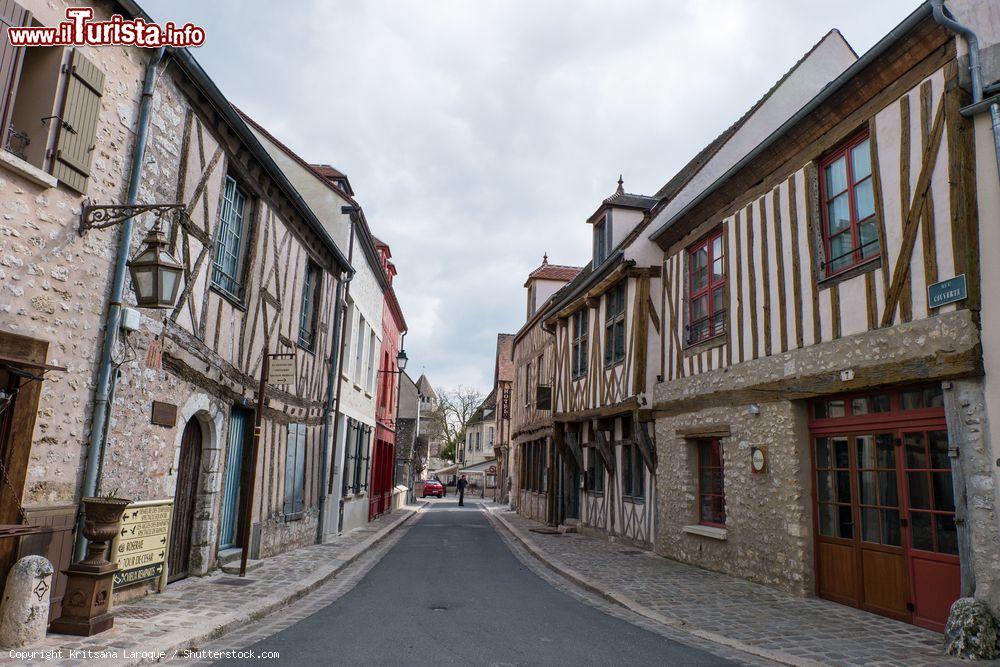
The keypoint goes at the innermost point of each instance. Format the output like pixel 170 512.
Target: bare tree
pixel 451 415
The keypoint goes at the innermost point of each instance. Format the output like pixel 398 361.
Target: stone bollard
pixel 971 632
pixel 24 612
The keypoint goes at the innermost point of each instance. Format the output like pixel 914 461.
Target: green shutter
pixel 81 107
pixel 10 61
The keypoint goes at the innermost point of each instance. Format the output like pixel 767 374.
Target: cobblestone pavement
pixel 733 612
pixel 196 610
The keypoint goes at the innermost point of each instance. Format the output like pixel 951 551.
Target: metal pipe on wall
pixel 99 416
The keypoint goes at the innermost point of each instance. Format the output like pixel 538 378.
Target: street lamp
pixel 401 360
pixel 156 275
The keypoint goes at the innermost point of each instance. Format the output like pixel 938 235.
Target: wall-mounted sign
pixel 164 414
pixel 758 459
pixel 142 544
pixel 281 370
pixel 947 291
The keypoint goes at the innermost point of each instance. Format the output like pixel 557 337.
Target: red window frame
pixel 714 447
pixel 854 228
pixel 712 283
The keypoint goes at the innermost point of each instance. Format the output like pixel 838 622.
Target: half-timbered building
pixel 260 274
pixel 533 350
pixel 605 324
pixel 820 420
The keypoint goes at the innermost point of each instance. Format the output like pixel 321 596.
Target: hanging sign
pixel 281 370
pixel 947 291
pixel 142 544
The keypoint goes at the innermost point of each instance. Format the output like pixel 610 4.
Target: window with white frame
pixel 579 351
pixel 226 275
pixel 602 239
pixel 614 325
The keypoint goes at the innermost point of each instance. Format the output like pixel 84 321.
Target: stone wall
pixel 768 536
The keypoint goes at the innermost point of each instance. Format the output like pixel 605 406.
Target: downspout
pixel 351 212
pixel 395 418
pixel 967 573
pixel 335 354
pixel 943 16
pixel 99 417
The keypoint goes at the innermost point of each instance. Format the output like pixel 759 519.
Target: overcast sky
pixel 479 134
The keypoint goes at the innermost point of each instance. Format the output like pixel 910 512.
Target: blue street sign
pixel 947 291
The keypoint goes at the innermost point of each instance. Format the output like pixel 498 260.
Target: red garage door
pixel 884 506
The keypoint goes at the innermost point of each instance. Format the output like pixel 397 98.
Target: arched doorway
pixel 185 497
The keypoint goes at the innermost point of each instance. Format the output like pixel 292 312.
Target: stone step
pixel 227 556
pixel 234 566
pixel 567 528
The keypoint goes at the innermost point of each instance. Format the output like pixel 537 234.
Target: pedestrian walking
pixel 462 483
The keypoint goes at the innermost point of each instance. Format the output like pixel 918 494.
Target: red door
pixel 883 504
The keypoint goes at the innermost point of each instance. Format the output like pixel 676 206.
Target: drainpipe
pixel 99 418
pixel 335 353
pixel 943 16
pixel 351 211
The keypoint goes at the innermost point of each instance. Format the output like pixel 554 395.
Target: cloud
pixel 479 135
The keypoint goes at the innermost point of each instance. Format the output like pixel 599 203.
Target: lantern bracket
pixel 104 216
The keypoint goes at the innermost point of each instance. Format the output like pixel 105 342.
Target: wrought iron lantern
pixel 401 360
pixel 156 275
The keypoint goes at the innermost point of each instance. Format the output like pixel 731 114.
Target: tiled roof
pixel 629 200
pixel 327 171
pixel 554 272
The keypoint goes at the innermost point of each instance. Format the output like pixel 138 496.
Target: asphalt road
pixel 451 592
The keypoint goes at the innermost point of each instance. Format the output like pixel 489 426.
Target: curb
pixel 242 618
pixel 628 603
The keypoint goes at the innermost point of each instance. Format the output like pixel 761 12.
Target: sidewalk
pixel 756 619
pixel 198 609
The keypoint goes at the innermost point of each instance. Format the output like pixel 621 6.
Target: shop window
pixel 847 205
pixel 924 397
pixel 711 484
pixel 931 494
pixel 706 289
pixel 833 487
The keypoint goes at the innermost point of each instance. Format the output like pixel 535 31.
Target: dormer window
pixel 602 239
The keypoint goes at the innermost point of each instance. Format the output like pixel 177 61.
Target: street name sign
pixel 947 291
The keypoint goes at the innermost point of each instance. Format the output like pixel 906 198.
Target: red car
pixel 432 487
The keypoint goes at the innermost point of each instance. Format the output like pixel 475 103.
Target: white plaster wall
pixel 831 57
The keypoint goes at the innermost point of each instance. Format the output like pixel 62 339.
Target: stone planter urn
pixel 89 582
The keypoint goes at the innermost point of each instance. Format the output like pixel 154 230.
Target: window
pixel 356 465
pixel 633 475
pixel 309 310
pixel 706 289
pixel 579 324
pixel 295 470
pixel 595 471
pixel 532 297
pixel 527 385
pixel 489 438
pixel 614 325
pixel 359 351
pixel 602 239
pixel 850 227
pixel 371 360
pixel 229 252
pixel 711 485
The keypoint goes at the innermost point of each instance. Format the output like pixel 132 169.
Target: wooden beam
pixel 752 278
pixel 793 224
pixel 905 292
pixel 739 287
pixel 910 222
pixel 765 275
pixel 779 256
pixel 812 238
pixel 928 235
pixel 962 187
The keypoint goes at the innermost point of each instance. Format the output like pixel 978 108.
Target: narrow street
pixel 451 592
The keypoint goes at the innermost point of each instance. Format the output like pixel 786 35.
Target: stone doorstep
pixel 256 608
pixel 630 604
pixel 233 566
pixel 227 556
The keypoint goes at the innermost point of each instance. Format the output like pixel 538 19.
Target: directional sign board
pixel 140 548
pixel 281 370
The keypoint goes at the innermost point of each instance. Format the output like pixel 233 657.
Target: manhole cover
pixel 233 582
pixel 438 607
pixel 138 612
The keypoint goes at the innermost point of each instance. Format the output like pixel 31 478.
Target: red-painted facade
pixel 384 452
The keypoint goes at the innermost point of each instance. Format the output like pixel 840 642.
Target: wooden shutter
pixel 80 110
pixel 298 500
pixel 11 13
pixel 295 469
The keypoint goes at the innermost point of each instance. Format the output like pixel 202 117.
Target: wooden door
pixel 230 522
pixel 933 537
pixel 185 498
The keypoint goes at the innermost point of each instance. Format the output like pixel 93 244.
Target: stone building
pixel 480 433
pixel 260 274
pixel 533 357
pixel 503 385
pixel 821 423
